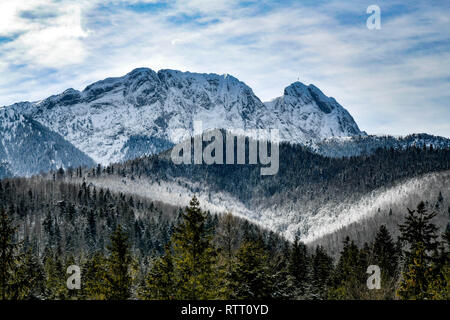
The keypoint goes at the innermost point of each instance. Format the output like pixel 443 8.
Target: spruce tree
pixel 298 265
pixel 439 286
pixel 419 236
pixel 418 231
pixel 55 282
pixel 193 255
pixel 349 278
pixel 251 274
pixel 227 240
pixel 94 284
pixel 416 280
pixel 321 271
pixel 284 284
pixel 31 277
pixel 160 281
pixel 91 230
pixel 8 256
pixel 118 276
pixel 384 253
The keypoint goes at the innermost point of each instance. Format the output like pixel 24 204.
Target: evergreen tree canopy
pixel 251 275
pixel 118 265
pixel 298 264
pixel 8 256
pixel 418 230
pixel 384 253
pixel 193 254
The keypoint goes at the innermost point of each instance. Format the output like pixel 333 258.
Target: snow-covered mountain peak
pixel 296 89
pixel 298 94
pixel 214 84
pixel 311 115
pixel 123 117
pixel 137 82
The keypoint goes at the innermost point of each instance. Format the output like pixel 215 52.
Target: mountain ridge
pixel 27 147
pixel 122 118
pixel 103 118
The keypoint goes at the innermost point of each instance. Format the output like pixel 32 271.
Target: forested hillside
pixel 132 249
pixel 305 198
pixel 27 147
pixel 387 207
pixel 60 223
pixel 79 218
pixel 366 145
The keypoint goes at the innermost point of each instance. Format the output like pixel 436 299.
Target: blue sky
pixel 395 80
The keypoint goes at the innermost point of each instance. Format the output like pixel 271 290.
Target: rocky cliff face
pixel 305 115
pixel 117 118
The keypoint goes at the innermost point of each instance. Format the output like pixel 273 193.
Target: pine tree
pixel 298 265
pixel 384 253
pixel 251 274
pixel 160 281
pixel 8 256
pixel 118 276
pixel 193 255
pixel 419 235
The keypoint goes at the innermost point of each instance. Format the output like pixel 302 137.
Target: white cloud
pixel 384 77
pixel 45 33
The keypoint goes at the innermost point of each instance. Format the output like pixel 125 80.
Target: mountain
pixel 120 118
pixel 305 115
pixel 27 147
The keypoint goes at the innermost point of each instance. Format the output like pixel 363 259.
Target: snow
pixel 284 219
pixel 102 118
pixel 175 193
pixel 332 217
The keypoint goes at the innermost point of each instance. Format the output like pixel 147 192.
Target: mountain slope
pixel 105 118
pixel 385 206
pixel 310 196
pixel 27 147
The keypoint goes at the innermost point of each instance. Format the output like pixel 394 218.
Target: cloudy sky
pixel 395 80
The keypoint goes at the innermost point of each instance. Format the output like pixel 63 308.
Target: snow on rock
pixel 109 117
pixel 305 115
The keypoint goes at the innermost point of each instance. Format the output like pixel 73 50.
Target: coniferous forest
pixel 132 248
